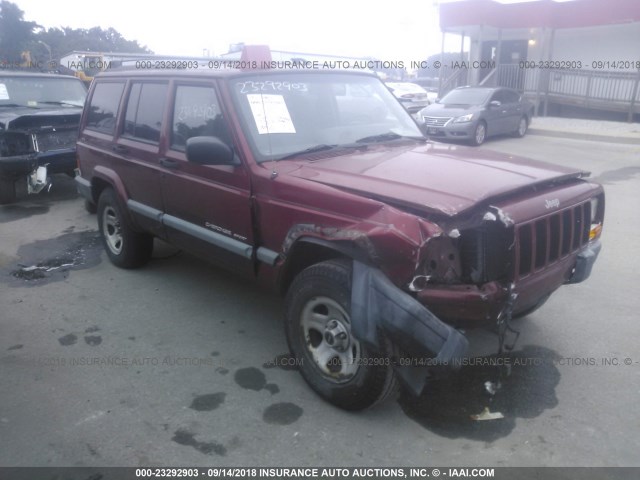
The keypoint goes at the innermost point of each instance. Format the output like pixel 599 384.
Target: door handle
pixel 168 163
pixel 120 149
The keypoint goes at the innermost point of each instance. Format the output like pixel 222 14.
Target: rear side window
pixel 143 117
pixel 197 113
pixel 104 107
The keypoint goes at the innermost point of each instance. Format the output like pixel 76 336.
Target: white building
pixel 582 52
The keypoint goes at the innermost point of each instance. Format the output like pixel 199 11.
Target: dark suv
pixel 320 185
pixel 39 117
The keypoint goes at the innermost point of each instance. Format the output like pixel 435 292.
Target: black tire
pixel 90 207
pixel 479 134
pixel 7 190
pixel 366 378
pixel 125 247
pixel 523 125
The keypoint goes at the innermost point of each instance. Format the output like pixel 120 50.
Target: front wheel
pixel 90 207
pixel 479 134
pixel 318 326
pixel 125 247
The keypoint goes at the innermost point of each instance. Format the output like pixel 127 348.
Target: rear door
pixel 137 148
pixel 207 207
pixel 514 110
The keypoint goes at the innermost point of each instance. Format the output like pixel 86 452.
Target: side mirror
pixel 494 103
pixel 209 151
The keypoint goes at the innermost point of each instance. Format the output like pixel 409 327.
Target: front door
pixel 207 207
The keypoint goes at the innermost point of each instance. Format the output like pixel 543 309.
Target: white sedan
pixel 412 96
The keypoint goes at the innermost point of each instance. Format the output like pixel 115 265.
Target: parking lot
pixel 179 363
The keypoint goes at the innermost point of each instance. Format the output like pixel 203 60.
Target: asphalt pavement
pixel 182 364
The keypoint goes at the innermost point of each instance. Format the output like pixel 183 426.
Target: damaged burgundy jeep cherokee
pixel 320 185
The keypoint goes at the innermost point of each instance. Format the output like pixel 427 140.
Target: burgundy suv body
pixel 320 185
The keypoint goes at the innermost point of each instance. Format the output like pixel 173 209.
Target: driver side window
pixel 498 96
pixel 197 113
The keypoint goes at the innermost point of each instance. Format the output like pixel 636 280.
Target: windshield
pixel 466 96
pixel 286 114
pixel 38 92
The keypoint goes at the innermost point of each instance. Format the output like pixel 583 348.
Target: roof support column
pixel 634 95
pixel 546 74
pixel 474 73
pixel 442 70
pixel 497 60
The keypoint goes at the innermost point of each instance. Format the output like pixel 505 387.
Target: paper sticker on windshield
pixel 4 94
pixel 270 113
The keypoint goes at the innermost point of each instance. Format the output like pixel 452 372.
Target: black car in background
pixel 472 114
pixel 39 118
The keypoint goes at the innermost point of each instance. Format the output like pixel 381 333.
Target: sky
pixel 403 30
pixel 391 30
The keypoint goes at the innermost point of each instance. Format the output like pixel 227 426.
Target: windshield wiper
pixel 323 147
pixel 62 103
pixel 385 137
pixel 316 148
pixel 13 105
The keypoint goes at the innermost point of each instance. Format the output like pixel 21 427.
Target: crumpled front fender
pixel 377 305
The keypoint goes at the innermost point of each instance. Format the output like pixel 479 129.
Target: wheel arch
pixel 103 178
pixel 307 251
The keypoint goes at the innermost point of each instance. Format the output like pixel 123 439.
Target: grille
pixel 436 121
pixel 549 239
pixel 55 140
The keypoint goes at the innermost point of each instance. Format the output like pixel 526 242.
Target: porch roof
pixel 456 15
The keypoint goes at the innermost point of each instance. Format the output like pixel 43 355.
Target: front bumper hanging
pixel 377 305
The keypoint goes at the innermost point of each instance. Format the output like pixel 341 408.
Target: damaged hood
pixel 24 118
pixel 436 178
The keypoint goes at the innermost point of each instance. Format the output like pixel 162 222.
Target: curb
pixel 584 136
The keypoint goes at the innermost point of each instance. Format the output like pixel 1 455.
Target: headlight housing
pixel 596 226
pixel 464 118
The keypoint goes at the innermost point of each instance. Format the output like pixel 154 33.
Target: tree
pixel 15 33
pixel 18 35
pixel 64 40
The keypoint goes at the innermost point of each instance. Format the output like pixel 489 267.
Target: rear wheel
pixel 318 326
pixel 523 124
pixel 7 190
pixel 125 247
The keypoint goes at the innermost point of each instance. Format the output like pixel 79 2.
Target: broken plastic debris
pixel 418 283
pixel 504 217
pixel 492 387
pixel 455 233
pixel 46 269
pixel 38 180
pixel 486 414
pixel 489 217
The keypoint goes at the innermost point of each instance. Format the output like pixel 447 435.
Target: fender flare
pixel 109 176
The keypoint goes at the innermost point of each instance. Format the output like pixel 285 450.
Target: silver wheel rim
pixel 326 331
pixel 480 132
pixel 522 128
pixel 112 230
